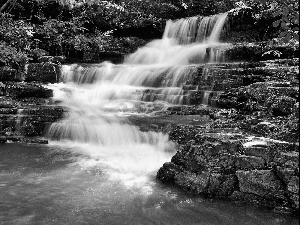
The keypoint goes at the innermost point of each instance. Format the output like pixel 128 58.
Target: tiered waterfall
pixel 99 97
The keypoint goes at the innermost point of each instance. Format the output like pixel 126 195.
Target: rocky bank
pixel 248 149
pixel 26 109
pixel 244 147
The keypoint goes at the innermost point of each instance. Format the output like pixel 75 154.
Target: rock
pixel 265 152
pixel 53 111
pixel 16 139
pixel 257 52
pixel 262 183
pixel 167 173
pixel 246 162
pixel 3 139
pixel 47 72
pixel 36 141
pixel 287 159
pixel 293 188
pixel 191 182
pixel 283 106
pixel 8 110
pixel 90 57
pixel 258 96
pixel 285 174
pixel 26 90
pixel 264 127
pixel 52 59
pixel 221 185
pixel 10 74
pixel 22 139
pixel 28 121
pixel 45 58
pixel 7 102
pixel 249 198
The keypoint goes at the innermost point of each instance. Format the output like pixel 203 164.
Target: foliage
pixel 54 34
pixel 281 14
pixel 16 33
pixel 13 57
pixel 72 27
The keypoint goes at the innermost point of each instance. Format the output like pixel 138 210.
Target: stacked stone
pixel 26 109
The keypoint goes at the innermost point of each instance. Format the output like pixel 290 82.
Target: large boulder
pixel 231 165
pixel 263 183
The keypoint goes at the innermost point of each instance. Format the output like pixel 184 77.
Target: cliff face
pixel 258 170
pixel 249 151
pixel 26 109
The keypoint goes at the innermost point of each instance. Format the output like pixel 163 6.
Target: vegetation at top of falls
pixel 78 29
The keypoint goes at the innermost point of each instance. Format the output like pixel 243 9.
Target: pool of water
pixel 62 184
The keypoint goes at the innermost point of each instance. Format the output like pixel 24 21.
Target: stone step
pixel 22 139
pixel 18 90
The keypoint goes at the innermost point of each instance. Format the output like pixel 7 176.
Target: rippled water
pixel 56 184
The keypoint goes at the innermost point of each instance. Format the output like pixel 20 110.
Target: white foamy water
pixel 97 98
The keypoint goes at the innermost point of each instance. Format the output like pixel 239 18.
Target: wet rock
pixel 167 173
pixel 10 74
pixel 16 139
pixel 22 139
pixel 264 128
pixel 282 106
pixel 7 102
pixel 262 183
pixel 52 59
pixel 221 185
pixel 27 90
pixel 259 52
pixel 192 182
pixel 258 96
pixel 252 169
pixel 8 110
pixel 265 152
pixel 287 159
pixel 187 110
pixel 246 162
pixel 293 188
pixel 3 139
pixel 249 198
pixel 44 111
pixel 46 72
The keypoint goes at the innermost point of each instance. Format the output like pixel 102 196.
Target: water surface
pixel 57 184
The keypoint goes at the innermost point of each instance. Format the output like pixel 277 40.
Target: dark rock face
pixel 45 72
pixel 9 74
pixel 26 90
pixel 52 59
pixel 233 166
pixel 249 150
pixel 25 111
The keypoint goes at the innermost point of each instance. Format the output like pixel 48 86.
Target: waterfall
pixel 99 98
pixel 206 97
pixel 184 42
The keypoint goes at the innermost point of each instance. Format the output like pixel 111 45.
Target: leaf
pixel 276 23
pixel 284 26
pixel 283 34
pixel 287 38
pixel 277 13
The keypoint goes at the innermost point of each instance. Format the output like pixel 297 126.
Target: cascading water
pixel 99 168
pixel 98 97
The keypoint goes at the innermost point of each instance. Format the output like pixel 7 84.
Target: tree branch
pixel 5 5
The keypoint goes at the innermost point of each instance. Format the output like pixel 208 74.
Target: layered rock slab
pixel 236 167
